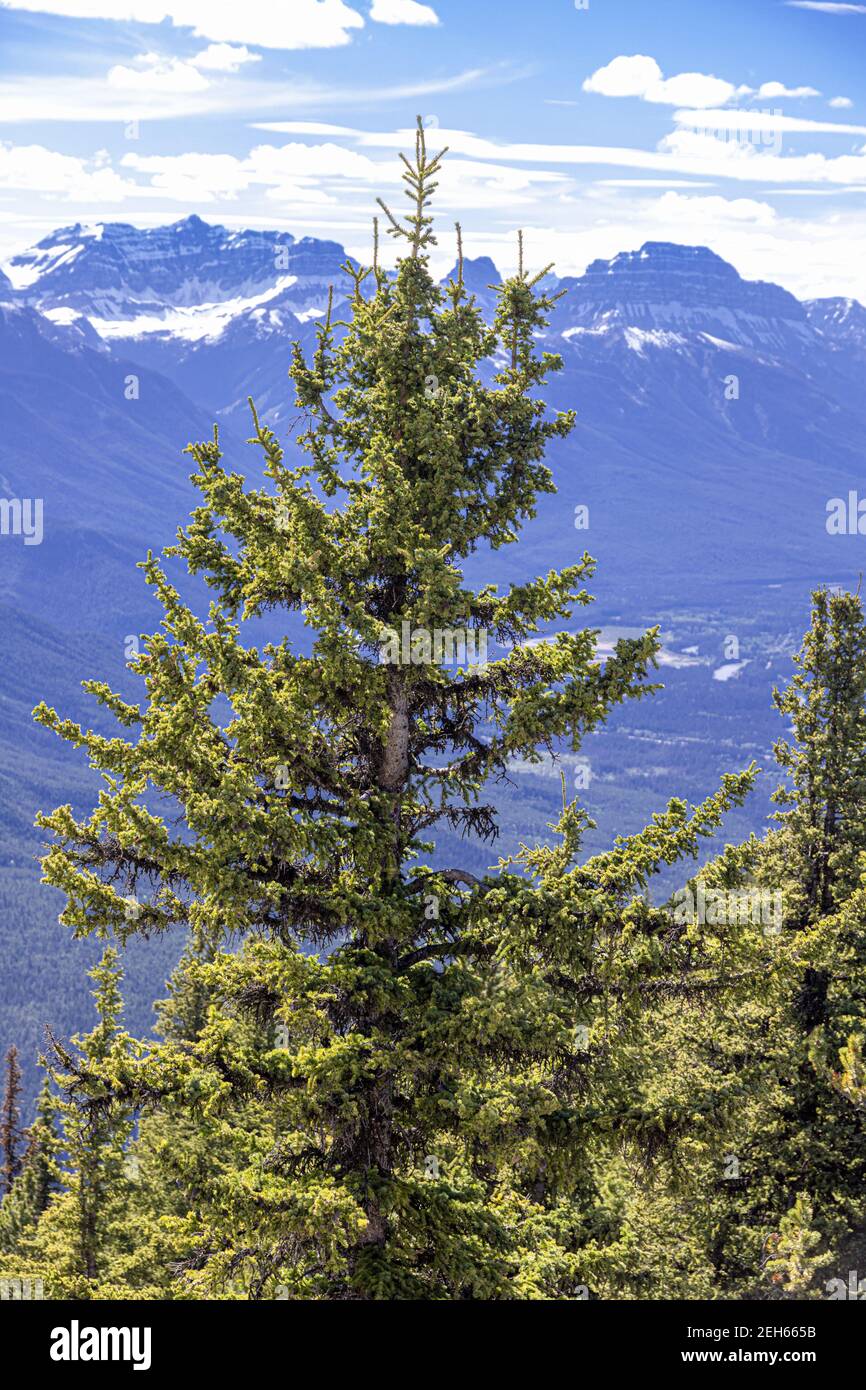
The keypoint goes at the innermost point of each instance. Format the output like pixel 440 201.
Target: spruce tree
pixel 40 1177
pixel 823 833
pixel 11 1134
pixel 443 1059
pixel 779 1057
pixel 82 1244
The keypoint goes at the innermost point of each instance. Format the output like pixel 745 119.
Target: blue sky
pixel 741 126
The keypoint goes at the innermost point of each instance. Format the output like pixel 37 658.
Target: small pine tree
pixel 40 1178
pixel 82 1236
pixel 11 1134
pixel 851 1080
pixel 823 833
pixel 794 1256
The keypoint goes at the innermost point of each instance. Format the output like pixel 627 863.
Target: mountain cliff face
pixel 716 417
pixel 665 288
pixel 127 280
pixel 842 322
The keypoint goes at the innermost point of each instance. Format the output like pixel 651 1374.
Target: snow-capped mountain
pixel 842 322
pixel 177 291
pixel 188 279
pixel 669 290
pixel 693 384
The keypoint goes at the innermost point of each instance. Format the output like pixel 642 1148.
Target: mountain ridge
pixel 118 276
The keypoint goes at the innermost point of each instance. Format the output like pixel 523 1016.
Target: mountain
pixel 189 278
pixel 211 308
pixel 841 322
pixel 667 288
pixel 716 418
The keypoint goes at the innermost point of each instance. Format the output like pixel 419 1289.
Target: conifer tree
pixel 11 1134
pixel 82 1245
pixel 443 1055
pixel 823 834
pixel 780 1058
pixel 794 1255
pixel 40 1176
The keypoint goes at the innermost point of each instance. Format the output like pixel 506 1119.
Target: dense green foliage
pixel 376 1079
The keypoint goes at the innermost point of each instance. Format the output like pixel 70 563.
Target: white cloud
pixel 89 99
pixel 694 151
pixel 320 173
pixel 711 211
pixel 692 89
pixel 35 169
pixel 266 23
pixel 300 24
pixel 746 122
pixel 625 77
pixel 637 75
pixel 291 171
pixel 683 151
pixel 650 183
pixel 224 57
pixel 157 74
pixel 402 12
pixel 154 73
pixel 841 103
pixel 778 89
pixel 825 8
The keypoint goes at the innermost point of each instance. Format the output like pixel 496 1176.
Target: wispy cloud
pixel 825 8
pixel 164 89
pixel 322 172
pixel 739 120
pixel 683 151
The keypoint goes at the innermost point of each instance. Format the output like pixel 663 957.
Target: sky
pixel 593 125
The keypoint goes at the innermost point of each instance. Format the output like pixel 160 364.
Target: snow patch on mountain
pixel 731 670
pixel 193 322
pixel 639 338
pixel 25 271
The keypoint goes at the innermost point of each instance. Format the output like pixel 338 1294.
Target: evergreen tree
pixel 794 1256
pixel 40 1176
pixel 11 1134
pixel 778 1058
pixel 82 1244
pixel 444 1070
pixel 815 854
